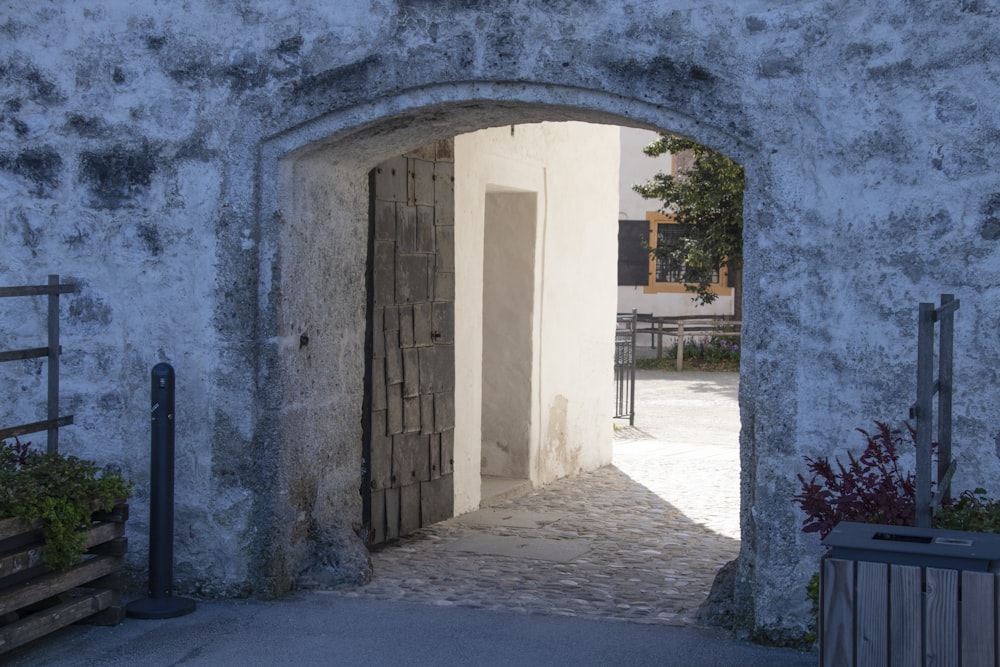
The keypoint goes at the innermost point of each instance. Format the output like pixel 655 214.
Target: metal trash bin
pixel 904 545
pixel 908 596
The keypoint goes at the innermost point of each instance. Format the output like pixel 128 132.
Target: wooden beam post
pixel 53 364
pixel 924 416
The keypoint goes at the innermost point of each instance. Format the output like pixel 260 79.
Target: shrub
pixel 706 353
pixel 870 489
pixel 974 510
pixel 710 349
pixel 61 491
pixel 873 489
pixel 719 348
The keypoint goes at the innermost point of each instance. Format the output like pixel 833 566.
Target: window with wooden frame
pixel 665 275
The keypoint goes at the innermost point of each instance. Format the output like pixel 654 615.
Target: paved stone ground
pixel 640 540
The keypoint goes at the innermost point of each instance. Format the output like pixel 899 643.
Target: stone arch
pixel 312 183
pixel 147 142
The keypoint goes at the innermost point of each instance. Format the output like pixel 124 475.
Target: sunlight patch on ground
pixel 702 481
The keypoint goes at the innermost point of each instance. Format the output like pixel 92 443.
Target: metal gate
pixel 625 367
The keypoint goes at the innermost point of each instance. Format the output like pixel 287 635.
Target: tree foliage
pixel 707 202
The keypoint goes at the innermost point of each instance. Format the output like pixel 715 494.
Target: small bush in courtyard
pixel 721 353
pixel 717 348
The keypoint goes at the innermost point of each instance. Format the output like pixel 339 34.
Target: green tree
pixel 706 199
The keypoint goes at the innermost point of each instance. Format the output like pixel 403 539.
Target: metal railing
pixel 625 367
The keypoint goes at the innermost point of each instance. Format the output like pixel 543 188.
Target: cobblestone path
pixel 640 540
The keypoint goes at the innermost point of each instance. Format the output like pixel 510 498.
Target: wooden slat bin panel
pixel 880 614
pixel 35 600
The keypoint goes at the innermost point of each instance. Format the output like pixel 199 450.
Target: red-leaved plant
pixel 869 489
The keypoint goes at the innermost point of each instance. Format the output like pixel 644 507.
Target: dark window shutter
pixel 633 254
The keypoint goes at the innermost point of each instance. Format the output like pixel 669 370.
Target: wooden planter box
pixel 892 595
pixel 881 614
pixel 35 600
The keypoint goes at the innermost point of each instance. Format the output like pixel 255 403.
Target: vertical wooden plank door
pixel 410 407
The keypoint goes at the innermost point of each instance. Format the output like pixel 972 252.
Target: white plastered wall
pixel 572 168
pixel 508 319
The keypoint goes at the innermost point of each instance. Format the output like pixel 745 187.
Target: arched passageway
pixel 318 240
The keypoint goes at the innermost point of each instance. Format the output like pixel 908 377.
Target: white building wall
pixel 637 167
pixel 670 304
pixel 572 168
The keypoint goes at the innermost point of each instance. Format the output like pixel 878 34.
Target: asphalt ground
pixel 324 629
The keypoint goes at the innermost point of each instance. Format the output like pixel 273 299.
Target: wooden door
pixel 410 402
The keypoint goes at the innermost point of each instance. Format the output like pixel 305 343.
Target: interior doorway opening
pixel 508 312
pixel 665 510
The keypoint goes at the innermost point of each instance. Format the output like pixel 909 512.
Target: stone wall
pixel 199 170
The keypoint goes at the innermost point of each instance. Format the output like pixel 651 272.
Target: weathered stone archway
pixel 318 221
pixel 145 153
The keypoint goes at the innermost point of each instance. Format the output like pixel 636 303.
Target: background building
pixel 645 283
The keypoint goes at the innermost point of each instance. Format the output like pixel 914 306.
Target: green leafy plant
pixel 812 594
pixel 61 491
pixel 719 353
pixel 706 198
pixel 718 348
pixel 973 510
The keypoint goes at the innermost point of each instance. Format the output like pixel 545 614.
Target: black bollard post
pixel 161 602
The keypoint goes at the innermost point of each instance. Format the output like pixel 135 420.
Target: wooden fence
pixel 51 351
pixel 923 410
pixel 679 328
